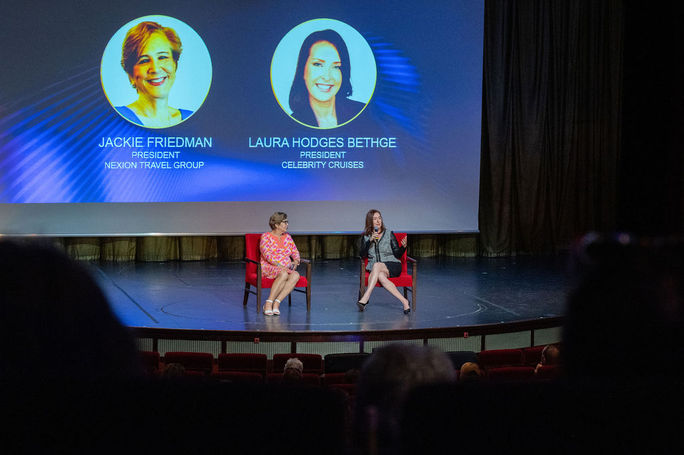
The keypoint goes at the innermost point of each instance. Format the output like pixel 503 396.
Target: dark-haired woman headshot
pixel 321 87
pixel 150 56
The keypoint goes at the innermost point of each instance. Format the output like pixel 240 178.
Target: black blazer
pixel 345 109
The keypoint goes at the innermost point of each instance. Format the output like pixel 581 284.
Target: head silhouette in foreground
pixel 56 322
pixel 625 308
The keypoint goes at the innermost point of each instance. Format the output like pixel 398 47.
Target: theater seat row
pixel 503 365
pixel 247 367
pixel 523 357
pixel 498 365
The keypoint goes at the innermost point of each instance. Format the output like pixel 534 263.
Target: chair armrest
pixel 258 269
pixel 414 268
pixel 308 269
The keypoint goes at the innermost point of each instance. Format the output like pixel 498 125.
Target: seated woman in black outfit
pixel 384 253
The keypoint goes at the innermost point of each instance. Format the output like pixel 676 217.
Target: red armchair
pixel 404 280
pixel 253 274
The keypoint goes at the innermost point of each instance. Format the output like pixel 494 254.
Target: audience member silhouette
pixel 550 355
pixel 293 371
pixel 351 376
pixel 625 309
pixel 56 322
pixel 70 371
pixel 386 378
pixel 470 372
pixel 174 371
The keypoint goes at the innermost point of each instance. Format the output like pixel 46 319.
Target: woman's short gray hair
pixel 277 218
pixel 295 364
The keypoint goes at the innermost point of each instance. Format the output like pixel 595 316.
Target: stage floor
pixel 208 295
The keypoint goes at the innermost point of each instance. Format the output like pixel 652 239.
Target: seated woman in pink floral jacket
pixel 279 261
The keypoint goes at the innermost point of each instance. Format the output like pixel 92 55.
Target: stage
pixel 452 292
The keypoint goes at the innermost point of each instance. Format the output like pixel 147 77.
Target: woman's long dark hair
pixel 368 230
pixel 299 95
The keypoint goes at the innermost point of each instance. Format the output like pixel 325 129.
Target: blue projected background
pixel 71 165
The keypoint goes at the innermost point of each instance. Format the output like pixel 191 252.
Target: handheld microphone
pixel 376 229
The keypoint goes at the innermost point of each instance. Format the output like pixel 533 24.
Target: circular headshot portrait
pixel 323 73
pixel 156 71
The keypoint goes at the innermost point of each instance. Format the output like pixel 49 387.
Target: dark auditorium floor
pixel 452 292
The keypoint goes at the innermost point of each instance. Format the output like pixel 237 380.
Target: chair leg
pixel 258 299
pixel 362 282
pixel 244 300
pixel 289 299
pixel 413 297
pixel 308 298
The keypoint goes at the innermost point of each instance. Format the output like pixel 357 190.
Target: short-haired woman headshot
pixel 321 86
pixel 150 56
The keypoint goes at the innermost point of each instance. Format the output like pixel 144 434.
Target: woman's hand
pixel 375 237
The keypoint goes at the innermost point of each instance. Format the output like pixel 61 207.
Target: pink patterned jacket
pixel 276 253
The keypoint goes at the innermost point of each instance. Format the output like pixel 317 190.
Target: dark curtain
pixel 651 184
pixel 551 122
pixel 232 248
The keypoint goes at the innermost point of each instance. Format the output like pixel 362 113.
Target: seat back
pixel 150 361
pixel 458 358
pixel 495 358
pixel 343 362
pixel 252 252
pixel 308 379
pixel 399 236
pixel 192 361
pixel 313 363
pixel 532 356
pixel 244 362
pixel 518 373
pixel 548 372
pixel 334 378
pixel 239 377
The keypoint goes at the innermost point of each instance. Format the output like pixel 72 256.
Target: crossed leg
pixel 387 284
pixel 276 289
pixel 288 285
pixel 377 269
pixel 380 273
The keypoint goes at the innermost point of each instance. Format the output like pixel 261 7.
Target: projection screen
pixel 137 118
